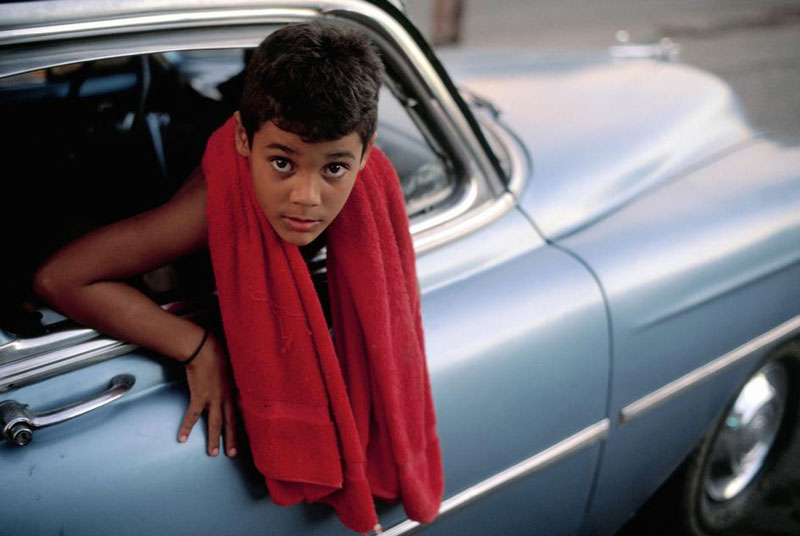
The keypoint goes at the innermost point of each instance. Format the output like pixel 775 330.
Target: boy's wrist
pixel 197 350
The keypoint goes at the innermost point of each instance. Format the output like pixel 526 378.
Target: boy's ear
pixel 367 149
pixel 240 135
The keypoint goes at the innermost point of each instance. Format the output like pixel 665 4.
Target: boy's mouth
pixel 300 225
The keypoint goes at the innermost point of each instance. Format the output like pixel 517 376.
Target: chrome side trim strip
pixel 26 361
pixel 36 368
pixel 646 403
pixel 18 348
pixel 585 438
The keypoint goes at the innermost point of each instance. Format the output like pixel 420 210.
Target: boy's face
pixel 300 186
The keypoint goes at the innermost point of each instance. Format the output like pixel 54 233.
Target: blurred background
pixel 754 45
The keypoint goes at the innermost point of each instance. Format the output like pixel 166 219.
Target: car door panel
pixel 532 505
pixel 502 366
pixel 509 377
pixel 120 469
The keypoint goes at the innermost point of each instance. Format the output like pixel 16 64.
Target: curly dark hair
pixel 317 80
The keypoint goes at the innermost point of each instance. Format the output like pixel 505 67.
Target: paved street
pixel 754 46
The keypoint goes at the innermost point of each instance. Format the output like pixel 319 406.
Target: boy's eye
pixel 281 165
pixel 335 170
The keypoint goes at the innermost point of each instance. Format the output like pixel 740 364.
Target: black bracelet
pixel 199 347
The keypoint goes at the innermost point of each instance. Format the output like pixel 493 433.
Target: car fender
pixel 704 268
pixel 601 132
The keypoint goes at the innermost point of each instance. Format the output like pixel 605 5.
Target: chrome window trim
pixel 129 16
pixel 23 22
pixel 669 391
pixel 149 22
pixel 455 228
pixel 370 17
pixel 481 197
pixel 399 4
pixel 518 159
pixel 539 461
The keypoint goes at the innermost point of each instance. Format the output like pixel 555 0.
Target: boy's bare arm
pixel 82 280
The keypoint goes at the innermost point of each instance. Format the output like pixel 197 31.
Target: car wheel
pixel 748 450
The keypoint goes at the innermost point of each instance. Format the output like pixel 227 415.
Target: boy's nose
pixel 305 190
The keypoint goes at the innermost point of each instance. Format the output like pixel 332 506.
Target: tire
pixel 719 497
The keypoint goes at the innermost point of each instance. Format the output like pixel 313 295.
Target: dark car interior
pixel 92 143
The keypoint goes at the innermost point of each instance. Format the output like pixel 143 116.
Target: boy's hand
pixel 211 390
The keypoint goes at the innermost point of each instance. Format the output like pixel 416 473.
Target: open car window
pixel 98 141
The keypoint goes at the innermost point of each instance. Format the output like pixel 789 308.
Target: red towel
pixel 335 422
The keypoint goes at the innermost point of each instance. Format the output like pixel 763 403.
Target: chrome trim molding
pixel 656 398
pixel 25 361
pixel 521 169
pixel 35 368
pixel 132 21
pixel 461 226
pixel 19 349
pixel 465 200
pixel 574 443
pixel 516 156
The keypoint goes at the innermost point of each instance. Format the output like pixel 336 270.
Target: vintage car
pixel 609 258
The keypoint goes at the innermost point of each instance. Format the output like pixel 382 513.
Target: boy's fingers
pixel 230 427
pixel 214 428
pixel 193 413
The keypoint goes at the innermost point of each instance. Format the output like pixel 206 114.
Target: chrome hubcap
pixel 747 434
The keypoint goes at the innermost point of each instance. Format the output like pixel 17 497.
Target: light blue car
pixel 609 258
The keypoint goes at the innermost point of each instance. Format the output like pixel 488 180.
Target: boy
pixel 304 131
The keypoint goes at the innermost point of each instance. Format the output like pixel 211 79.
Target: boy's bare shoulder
pixel 140 243
pixel 175 228
pixel 194 183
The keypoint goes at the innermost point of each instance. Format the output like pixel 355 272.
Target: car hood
pixel 600 132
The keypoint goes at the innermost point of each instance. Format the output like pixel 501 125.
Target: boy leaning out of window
pixel 293 169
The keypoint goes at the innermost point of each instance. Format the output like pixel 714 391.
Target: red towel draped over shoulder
pixel 335 422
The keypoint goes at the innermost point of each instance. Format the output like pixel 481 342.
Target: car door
pixel 516 332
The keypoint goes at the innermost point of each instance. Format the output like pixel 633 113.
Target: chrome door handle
pixel 18 422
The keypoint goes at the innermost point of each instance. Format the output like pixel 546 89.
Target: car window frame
pixel 479 196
